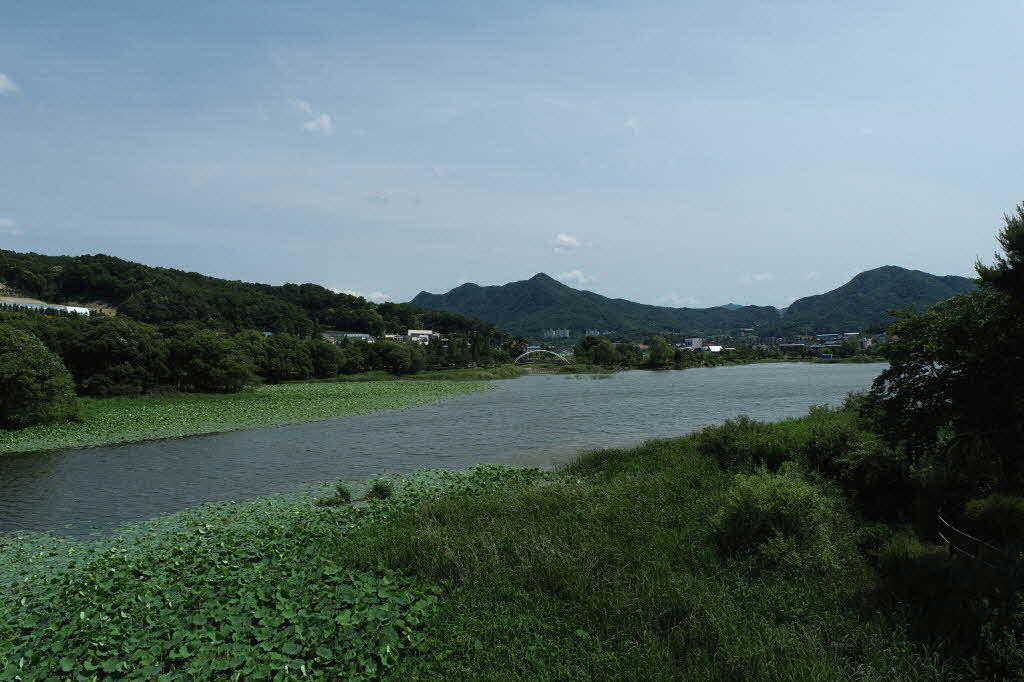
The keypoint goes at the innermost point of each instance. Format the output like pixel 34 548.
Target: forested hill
pixel 863 301
pixel 164 295
pixel 531 306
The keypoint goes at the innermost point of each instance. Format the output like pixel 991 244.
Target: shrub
pixel 381 490
pixel 343 492
pixel 744 444
pixel 35 387
pixel 783 519
pixel 999 518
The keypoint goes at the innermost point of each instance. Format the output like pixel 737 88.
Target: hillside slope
pixel 863 301
pixel 163 295
pixel 530 306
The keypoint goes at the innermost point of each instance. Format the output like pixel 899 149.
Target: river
pixel 538 420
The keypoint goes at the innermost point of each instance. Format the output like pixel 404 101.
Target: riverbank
pixel 468 374
pixel 110 421
pixel 612 568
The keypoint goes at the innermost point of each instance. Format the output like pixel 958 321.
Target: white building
pixel 694 343
pixel 421 335
pixel 712 349
pixel 556 333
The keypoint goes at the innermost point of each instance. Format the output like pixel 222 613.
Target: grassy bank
pixel 124 420
pixel 676 559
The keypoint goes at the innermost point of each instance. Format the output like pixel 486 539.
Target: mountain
pixel 165 295
pixel 863 301
pixel 531 306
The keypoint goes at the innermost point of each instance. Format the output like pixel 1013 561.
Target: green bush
pixel 381 490
pixel 35 387
pixel 783 520
pixel 999 518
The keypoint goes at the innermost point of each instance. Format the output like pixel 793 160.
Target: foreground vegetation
pixel 122 420
pixel 725 554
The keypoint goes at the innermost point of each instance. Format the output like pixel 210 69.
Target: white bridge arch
pixel 516 361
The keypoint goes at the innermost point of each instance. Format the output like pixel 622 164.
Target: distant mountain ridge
pixel 529 307
pixel 863 301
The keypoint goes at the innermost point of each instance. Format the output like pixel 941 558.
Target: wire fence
pixel 965 544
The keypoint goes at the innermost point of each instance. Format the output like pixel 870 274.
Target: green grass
pixel 612 568
pixel 124 420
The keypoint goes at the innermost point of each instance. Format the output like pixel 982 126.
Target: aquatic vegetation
pixel 251 590
pixel 125 420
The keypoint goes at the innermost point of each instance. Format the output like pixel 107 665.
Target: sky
pixel 683 154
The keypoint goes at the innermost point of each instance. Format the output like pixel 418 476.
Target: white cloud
pixel 461 280
pixel 813 275
pixel 674 300
pixel 631 125
pixel 757 277
pixel 9 227
pixel 322 125
pixel 565 242
pixel 576 276
pixel 369 296
pixel 304 106
pixel 7 85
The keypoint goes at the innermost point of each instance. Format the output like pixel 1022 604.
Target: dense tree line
pixel 660 354
pixel 117 356
pixel 164 296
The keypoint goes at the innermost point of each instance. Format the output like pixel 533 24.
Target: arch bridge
pixel 516 361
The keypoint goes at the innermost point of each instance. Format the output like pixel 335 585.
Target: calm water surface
pixel 539 420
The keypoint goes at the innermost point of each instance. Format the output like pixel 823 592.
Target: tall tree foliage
pixel 951 397
pixel 35 387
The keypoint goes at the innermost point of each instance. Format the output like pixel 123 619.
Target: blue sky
pixel 749 152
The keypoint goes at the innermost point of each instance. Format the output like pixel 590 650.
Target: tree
pixel 660 352
pixel 207 362
pixel 110 356
pixel 951 397
pixel 35 387
pixel 287 357
pixel 1007 274
pixel 327 358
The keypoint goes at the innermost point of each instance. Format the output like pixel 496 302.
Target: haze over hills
pixel 531 306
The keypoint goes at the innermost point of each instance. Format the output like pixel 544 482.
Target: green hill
pixel 164 295
pixel 863 301
pixel 531 306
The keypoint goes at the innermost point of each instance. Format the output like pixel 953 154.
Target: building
pixel 47 306
pixel 693 343
pixel 712 349
pixel 334 337
pixel 556 333
pixel 421 335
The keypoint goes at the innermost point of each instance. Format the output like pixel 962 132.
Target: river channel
pixel 538 420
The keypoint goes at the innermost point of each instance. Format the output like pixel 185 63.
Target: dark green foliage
pixel 597 350
pixel 285 357
pixel 999 519
pixel 531 306
pixel 865 300
pixel 951 397
pixel 204 362
pixel 381 489
pixel 1007 274
pixel 782 521
pixel 164 295
pixel 35 387
pixel 660 353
